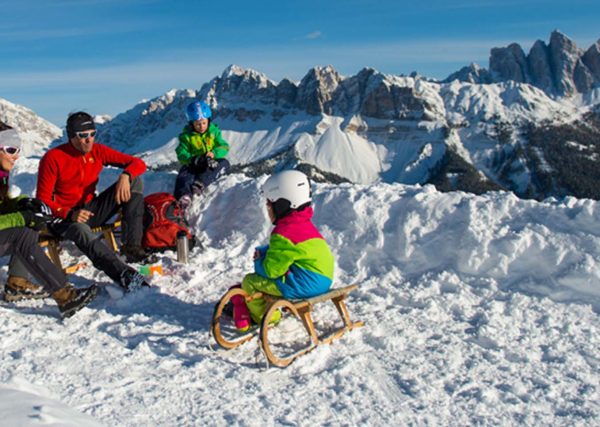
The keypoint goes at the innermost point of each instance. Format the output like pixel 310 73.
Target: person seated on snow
pixel 297 263
pixel 21 218
pixel 67 179
pixel 201 151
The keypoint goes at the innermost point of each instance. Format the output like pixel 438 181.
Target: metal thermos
pixel 183 247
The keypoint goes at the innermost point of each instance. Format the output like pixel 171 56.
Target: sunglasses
pixel 13 151
pixel 84 135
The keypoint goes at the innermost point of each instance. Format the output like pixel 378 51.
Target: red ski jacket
pixel 67 178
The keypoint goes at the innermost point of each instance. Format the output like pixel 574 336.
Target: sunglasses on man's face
pixel 84 135
pixel 13 151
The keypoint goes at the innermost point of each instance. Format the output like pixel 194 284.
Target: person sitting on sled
pixel 201 151
pixel 297 263
pixel 21 219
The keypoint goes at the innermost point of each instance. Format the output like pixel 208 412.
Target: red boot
pixel 241 315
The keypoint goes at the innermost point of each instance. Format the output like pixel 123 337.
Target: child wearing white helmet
pixel 297 262
pixel 201 151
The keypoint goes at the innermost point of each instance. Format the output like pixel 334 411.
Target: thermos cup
pixel 183 247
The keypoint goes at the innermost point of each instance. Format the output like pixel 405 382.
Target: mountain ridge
pixel 559 68
pixel 471 133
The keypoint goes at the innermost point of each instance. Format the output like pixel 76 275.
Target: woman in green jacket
pixel 201 151
pixel 21 219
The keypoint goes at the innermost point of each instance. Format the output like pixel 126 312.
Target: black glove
pixel 33 205
pixel 211 163
pixel 36 220
pixel 198 164
pixel 36 213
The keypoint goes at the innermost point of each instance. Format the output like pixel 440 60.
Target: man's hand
pixel 123 189
pixel 81 215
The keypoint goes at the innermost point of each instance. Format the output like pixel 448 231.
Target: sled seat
pixel 52 245
pixel 301 308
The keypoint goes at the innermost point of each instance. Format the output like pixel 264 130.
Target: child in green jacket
pixel 201 151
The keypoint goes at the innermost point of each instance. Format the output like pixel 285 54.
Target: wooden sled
pixel 301 309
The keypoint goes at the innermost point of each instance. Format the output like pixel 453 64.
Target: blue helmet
pixel 198 110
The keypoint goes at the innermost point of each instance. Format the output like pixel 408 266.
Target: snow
pixel 23 404
pixel 477 309
pixel 334 150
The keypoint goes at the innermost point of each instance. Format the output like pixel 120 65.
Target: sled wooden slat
pixel 301 309
pixel 52 245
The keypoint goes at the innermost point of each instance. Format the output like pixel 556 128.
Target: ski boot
pixel 18 288
pixel 131 280
pixel 137 254
pixel 70 300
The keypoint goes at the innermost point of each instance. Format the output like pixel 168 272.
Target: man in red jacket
pixel 67 180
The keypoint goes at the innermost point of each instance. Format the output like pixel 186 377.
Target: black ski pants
pixel 104 207
pixel 186 178
pixel 23 244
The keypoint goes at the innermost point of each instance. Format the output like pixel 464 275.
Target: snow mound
pixel 25 405
pixel 547 248
pixel 477 310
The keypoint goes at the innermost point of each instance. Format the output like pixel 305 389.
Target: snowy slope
pixel 478 310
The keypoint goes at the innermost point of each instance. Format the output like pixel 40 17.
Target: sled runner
pixel 301 309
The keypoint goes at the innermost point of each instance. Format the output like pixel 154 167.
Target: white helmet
pixel 291 186
pixel 10 138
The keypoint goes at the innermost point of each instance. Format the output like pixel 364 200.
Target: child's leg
pixel 183 182
pixel 211 175
pixel 253 283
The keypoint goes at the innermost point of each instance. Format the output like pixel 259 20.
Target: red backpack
pixel 163 219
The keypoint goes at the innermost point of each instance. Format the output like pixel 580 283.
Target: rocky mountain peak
pixel 315 91
pixel 591 59
pixel 538 62
pixel 558 68
pixel 472 73
pixel 564 56
pixel 247 84
pixel 238 74
pixel 509 63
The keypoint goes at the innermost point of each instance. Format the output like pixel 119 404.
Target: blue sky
pixel 104 56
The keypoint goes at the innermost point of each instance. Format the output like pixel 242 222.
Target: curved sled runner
pixel 301 309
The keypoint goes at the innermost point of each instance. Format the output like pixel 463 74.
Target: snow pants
pixel 186 178
pixel 23 244
pixel 105 207
pixel 253 283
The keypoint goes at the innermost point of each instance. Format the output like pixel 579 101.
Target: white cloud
pixel 314 35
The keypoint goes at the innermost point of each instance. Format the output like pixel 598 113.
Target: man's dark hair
pixel 78 122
